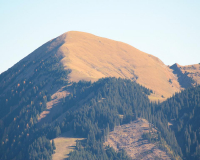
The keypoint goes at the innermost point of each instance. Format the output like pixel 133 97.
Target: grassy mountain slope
pixel 91 57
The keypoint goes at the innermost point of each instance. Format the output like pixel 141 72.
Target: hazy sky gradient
pixel 167 29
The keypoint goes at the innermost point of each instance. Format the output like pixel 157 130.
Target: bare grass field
pixel 64 145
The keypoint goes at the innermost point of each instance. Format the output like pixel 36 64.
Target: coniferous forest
pixel 91 110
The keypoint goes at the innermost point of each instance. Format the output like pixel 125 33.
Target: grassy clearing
pixel 156 98
pixel 64 145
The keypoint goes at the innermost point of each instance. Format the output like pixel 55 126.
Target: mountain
pixel 65 88
pixel 90 57
pixel 187 75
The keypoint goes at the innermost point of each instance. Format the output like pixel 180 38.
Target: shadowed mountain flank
pixel 192 71
pixel 184 78
pixel 34 62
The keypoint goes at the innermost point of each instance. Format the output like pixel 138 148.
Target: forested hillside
pixel 183 111
pixel 21 102
pixel 175 119
pixel 101 113
pixel 92 110
pixel 65 86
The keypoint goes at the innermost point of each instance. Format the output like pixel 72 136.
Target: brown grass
pixel 155 98
pixel 54 107
pixel 91 57
pixel 64 145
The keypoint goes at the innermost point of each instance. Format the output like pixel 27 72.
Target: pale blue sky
pixel 167 29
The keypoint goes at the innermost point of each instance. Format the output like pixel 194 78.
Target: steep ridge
pixel 187 75
pixel 32 63
pixel 184 80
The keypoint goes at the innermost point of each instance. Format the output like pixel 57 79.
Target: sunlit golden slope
pixel 91 57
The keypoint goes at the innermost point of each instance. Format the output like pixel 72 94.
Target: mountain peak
pixel 91 57
pixel 175 65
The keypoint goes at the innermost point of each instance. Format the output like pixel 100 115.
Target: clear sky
pixel 167 29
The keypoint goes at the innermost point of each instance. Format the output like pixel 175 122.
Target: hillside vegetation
pixel 90 86
pixel 22 101
pixel 91 111
pixel 183 111
pixel 91 119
